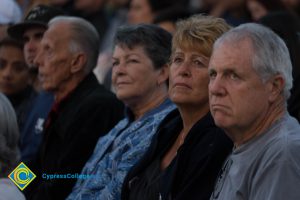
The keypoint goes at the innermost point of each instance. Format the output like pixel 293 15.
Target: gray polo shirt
pixel 265 168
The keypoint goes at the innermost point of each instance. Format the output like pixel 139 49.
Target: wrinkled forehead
pixel 232 55
pixel 239 49
pixel 57 33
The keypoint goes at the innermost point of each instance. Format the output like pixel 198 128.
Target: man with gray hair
pixel 250 78
pixel 82 112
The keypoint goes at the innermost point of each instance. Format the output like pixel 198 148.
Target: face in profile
pixel 54 58
pixel 14 72
pixel 238 97
pixel 257 10
pixel 134 76
pixel 188 83
pixel 3 31
pixel 140 12
pixel 32 38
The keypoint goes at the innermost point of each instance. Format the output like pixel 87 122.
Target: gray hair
pixel 154 40
pixel 84 38
pixel 270 54
pixel 9 137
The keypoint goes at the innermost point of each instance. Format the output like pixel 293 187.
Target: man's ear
pixel 276 87
pixel 78 62
pixel 163 74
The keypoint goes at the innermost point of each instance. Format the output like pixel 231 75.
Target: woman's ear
pixel 163 74
pixel 78 62
pixel 276 87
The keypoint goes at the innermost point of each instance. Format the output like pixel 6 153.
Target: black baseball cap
pixel 39 16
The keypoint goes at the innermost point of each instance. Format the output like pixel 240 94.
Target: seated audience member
pixel 10 13
pixel 260 8
pixel 140 11
pixel 167 19
pixel 82 112
pixel 250 78
pixel 30 32
pixel 233 11
pixel 9 152
pixel 145 11
pixel 94 12
pixel 14 78
pixel 188 151
pixel 139 75
pixel 293 6
pixel 287 26
pixel 117 12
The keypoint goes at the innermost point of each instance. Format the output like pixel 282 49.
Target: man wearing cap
pixel 30 32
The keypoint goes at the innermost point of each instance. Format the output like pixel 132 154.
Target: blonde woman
pixel 188 150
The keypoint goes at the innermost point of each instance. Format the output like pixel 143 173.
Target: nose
pixel 184 69
pixel 30 46
pixel 216 86
pixel 7 73
pixel 38 60
pixel 119 69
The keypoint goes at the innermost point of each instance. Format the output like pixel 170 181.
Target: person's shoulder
pixel 159 113
pixel 91 88
pixel 102 95
pixel 284 141
pixel 292 138
pixel 99 95
pixel 96 102
pixel 9 191
pixel 288 134
pixel 171 119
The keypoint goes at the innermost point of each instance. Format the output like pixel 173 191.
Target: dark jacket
pixel 89 112
pixel 192 173
pixel 32 133
pixel 23 103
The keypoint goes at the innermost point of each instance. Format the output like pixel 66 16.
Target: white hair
pixel 270 54
pixel 84 38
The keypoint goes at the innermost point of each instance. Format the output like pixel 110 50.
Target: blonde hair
pixel 198 33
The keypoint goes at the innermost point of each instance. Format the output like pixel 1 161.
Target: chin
pixel 220 120
pixel 180 99
pixel 121 96
pixel 220 124
pixel 224 124
pixel 47 88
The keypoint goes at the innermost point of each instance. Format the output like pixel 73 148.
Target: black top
pixel 191 174
pixel 88 113
pixel 23 103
